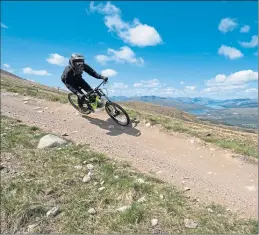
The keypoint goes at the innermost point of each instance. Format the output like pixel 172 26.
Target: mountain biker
pixel 72 77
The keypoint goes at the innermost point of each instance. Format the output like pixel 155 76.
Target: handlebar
pixel 103 82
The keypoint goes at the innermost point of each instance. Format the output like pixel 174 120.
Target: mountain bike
pixel 98 99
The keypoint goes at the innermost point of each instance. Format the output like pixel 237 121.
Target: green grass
pixel 245 145
pixel 39 179
pixel 26 88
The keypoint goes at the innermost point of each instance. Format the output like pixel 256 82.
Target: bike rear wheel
pixel 73 100
pixel 117 113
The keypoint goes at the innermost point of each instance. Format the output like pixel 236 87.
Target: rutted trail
pixel 211 174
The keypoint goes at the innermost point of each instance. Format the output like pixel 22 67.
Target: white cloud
pixel 231 85
pixel 109 73
pixel 190 88
pixel 148 83
pixel 3 26
pixel 251 90
pixel 245 29
pixel 35 72
pixel 134 33
pixel 119 85
pixel 237 78
pixel 57 59
pixel 251 44
pixel 125 54
pixel 107 8
pixel 230 52
pixel 223 88
pixel 227 25
pixel 6 66
pixel 181 82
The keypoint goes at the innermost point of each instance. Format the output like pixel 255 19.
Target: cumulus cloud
pixel 251 90
pixel 217 89
pixel 119 85
pixel 35 72
pixel 245 29
pixel 253 42
pixel 230 52
pixel 109 73
pixel 123 55
pixel 237 78
pixel 3 26
pixel 231 85
pixel 134 33
pixel 57 59
pixel 227 25
pixel 107 8
pixel 190 88
pixel 7 66
pixel 148 83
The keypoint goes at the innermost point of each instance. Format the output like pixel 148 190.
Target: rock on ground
pixel 140 181
pixel 186 189
pixel 142 199
pixel 210 210
pixel 31 228
pixel 53 212
pixel 50 141
pixel 86 178
pixel 189 223
pixel 89 166
pixel 123 208
pixel 154 222
pixel 92 211
pixel 148 124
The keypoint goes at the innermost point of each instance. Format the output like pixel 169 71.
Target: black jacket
pixel 69 73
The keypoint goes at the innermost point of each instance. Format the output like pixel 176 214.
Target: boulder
pixel 50 141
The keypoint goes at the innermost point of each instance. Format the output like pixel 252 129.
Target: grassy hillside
pixel 239 140
pixel 18 85
pixel 162 110
pixel 35 180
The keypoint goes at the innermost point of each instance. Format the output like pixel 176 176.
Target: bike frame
pixel 99 92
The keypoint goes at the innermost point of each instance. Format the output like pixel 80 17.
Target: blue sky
pixel 172 49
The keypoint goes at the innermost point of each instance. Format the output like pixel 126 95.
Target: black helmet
pixel 77 62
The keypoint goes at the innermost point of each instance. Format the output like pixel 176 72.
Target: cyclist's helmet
pixel 77 62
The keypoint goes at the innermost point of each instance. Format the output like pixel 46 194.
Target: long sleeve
pixel 91 71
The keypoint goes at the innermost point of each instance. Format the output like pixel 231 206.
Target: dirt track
pixel 212 174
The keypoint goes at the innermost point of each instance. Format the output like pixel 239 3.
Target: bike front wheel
pixel 117 113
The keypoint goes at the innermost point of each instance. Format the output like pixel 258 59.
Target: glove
pixel 103 77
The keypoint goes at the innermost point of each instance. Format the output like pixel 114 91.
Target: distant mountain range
pixel 188 104
pixel 183 103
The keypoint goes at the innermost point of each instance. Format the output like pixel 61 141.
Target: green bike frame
pixel 95 104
